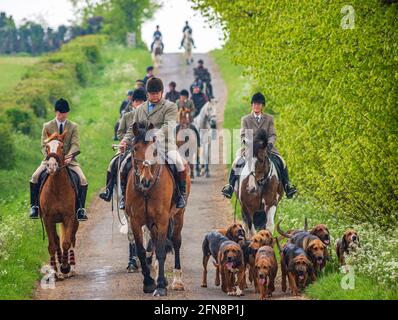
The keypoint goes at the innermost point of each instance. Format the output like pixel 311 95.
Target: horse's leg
pixel 72 258
pixel 178 284
pixel 59 250
pixel 160 249
pixel 270 214
pixel 52 245
pixel 149 283
pixel 68 226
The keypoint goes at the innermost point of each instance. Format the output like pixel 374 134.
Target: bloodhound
pixel 266 268
pixel 296 266
pixel 346 244
pixel 235 232
pixel 230 263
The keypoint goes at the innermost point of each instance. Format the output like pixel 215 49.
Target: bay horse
pixel 58 205
pixel 188 140
pixel 157 53
pixel 204 122
pixel 259 189
pixel 149 202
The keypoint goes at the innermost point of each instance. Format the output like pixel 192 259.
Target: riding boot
pixel 81 212
pixel 34 201
pixel 110 182
pixel 182 189
pixel 290 190
pixel 228 189
pixel 210 87
pixel 123 184
pixel 132 266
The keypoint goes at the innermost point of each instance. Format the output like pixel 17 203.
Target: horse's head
pixel 260 153
pixel 212 113
pixel 185 117
pixel 54 146
pixel 144 156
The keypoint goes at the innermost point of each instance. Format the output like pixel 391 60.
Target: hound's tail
pixel 281 232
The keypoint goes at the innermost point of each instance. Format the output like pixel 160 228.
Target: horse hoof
pixel 178 286
pixel 204 285
pixel 59 276
pixel 150 286
pixel 160 292
pixel 65 269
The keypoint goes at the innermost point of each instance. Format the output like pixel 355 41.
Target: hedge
pixel 333 91
pixel 55 75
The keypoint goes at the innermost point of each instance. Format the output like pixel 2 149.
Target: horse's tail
pixel 281 232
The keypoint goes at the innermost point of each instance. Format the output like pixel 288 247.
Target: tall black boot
pixel 228 189
pixel 122 204
pixel 110 182
pixel 132 266
pixel 290 190
pixel 182 188
pixel 81 212
pixel 34 201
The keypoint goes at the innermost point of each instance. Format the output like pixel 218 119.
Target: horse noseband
pixel 54 155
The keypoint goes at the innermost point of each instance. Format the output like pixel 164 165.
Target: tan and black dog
pixel 346 244
pixel 296 266
pixel 230 264
pixel 265 272
pixel 311 244
pixel 235 232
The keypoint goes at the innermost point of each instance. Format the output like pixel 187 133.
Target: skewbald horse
pixel 149 202
pixel 259 189
pixel 58 205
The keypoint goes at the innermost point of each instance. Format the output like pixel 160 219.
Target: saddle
pixel 74 180
pixel 278 162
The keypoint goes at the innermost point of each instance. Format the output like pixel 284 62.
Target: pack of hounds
pixel 302 257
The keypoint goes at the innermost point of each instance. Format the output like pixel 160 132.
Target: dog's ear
pixel 344 242
pixel 229 234
pixel 291 266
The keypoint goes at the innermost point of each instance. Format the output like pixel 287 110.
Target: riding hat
pixel 139 94
pixel 184 93
pixel 154 85
pixel 62 106
pixel 150 68
pixel 130 93
pixel 258 98
pixel 200 61
pixel 172 84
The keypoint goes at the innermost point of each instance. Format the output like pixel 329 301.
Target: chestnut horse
pixel 259 189
pixel 188 139
pixel 149 202
pixel 58 205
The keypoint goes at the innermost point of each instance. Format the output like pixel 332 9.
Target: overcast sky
pixel 171 19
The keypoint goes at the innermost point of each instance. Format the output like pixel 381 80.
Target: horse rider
pixel 149 75
pixel 138 98
pixel 173 95
pixel 187 27
pixel 190 39
pixel 200 72
pixel 162 114
pixel 199 99
pixel 71 145
pixel 157 36
pixel 125 104
pixel 185 102
pixel 139 84
pixel 255 121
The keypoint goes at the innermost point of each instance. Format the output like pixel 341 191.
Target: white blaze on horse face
pixel 52 164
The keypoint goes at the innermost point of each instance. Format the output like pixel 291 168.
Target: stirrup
pixel 106 196
pixel 34 214
pixel 227 191
pixel 181 203
pixel 290 191
pixel 122 204
pixel 81 214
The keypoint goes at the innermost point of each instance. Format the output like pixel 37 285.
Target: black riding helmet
pixel 139 94
pixel 258 98
pixel 184 93
pixel 154 85
pixel 62 106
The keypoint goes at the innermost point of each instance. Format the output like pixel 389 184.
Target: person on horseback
pixel 173 95
pixel 138 98
pixel 125 104
pixel 185 102
pixel 157 35
pixel 199 98
pixel 71 146
pixel 187 27
pixel 149 74
pixel 190 39
pixel 255 121
pixel 162 114
pixel 203 74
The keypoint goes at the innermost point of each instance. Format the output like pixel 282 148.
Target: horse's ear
pixel 62 136
pixel 135 129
